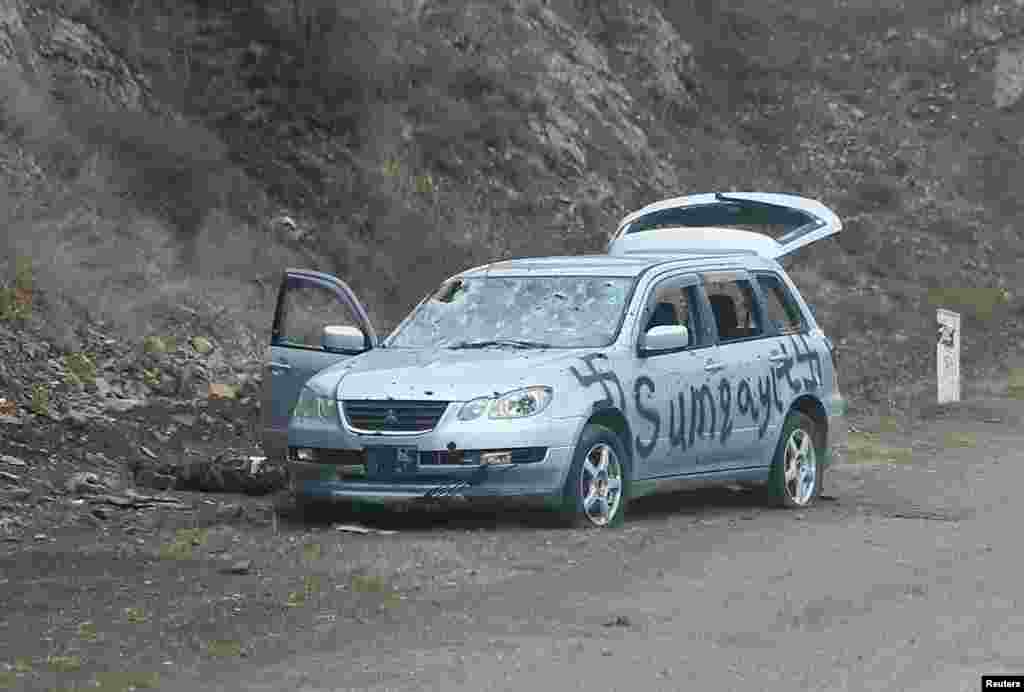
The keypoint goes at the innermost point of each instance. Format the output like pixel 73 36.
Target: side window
pixel 781 309
pixel 308 307
pixel 672 304
pixel 734 308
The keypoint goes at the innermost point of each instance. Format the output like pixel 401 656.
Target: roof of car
pixel 630 265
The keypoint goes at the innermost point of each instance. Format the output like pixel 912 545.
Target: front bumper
pixel 534 479
pixel 540 479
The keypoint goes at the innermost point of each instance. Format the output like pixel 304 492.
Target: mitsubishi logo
pixel 391 418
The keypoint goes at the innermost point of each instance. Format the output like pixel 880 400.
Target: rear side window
pixel 781 308
pixel 734 308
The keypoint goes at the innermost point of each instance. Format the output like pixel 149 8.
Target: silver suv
pixel 684 355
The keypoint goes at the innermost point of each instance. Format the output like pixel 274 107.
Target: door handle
pixel 714 366
pixel 280 367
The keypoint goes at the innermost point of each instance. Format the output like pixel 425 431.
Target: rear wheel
pixel 797 472
pixel 596 489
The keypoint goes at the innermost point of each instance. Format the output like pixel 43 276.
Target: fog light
pixel 495 458
pixel 305 454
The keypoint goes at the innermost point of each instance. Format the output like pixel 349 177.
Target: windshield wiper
pixel 514 343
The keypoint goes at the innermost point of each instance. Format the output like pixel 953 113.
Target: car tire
pixel 797 471
pixel 597 487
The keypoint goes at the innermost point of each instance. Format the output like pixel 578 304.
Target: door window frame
pixel 735 275
pixel 700 339
pixel 341 290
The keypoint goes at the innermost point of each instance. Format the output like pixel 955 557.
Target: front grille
pixel 393 416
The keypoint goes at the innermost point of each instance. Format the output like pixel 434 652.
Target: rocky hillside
pixel 162 161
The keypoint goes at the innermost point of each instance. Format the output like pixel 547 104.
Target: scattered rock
pixel 229 511
pixel 191 380
pixel 8 408
pixel 619 621
pixel 184 419
pixel 148 478
pixel 147 451
pixel 355 528
pixel 101 513
pixel 18 493
pixel 103 388
pixel 134 500
pixel 85 483
pixel 240 567
pixel 122 405
pixel 77 418
pixel 10 477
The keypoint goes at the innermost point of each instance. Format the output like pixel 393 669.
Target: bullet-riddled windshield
pixel 518 312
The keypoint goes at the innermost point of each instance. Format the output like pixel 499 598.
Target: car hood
pixel 443 374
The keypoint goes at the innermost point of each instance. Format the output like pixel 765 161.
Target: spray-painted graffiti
pixel 644 449
pixel 709 410
pixel 604 379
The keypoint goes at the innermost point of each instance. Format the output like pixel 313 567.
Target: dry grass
pixel 979 303
pixel 866 448
pixel 181 548
pixel 224 648
pixel 960 440
pixel 64 664
pixel 1015 385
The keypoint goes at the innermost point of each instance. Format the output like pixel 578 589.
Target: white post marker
pixel 948 356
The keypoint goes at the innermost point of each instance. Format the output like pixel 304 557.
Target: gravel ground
pixel 905 573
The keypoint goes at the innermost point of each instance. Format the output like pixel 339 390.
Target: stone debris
pixel 228 472
pixel 85 483
pixel 240 567
pixel 363 530
pixel 133 500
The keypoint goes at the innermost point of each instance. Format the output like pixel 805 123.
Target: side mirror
pixel 665 338
pixel 341 339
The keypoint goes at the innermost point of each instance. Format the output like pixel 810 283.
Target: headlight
pixel 520 403
pixel 310 405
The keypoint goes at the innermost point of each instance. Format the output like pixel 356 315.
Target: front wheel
pixel 595 492
pixel 797 472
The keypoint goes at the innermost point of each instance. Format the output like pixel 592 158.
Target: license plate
pixel 389 461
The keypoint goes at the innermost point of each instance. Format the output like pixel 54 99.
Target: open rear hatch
pixel 719 222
